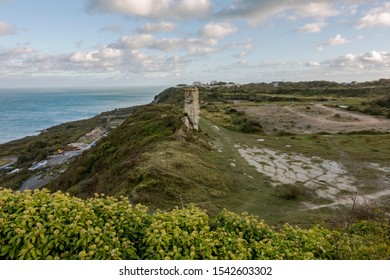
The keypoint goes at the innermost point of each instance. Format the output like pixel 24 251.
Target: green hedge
pixel 44 225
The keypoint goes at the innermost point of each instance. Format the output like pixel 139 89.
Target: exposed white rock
pixel 327 178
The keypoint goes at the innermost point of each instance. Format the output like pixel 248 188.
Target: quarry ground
pixel 327 171
pixel 313 118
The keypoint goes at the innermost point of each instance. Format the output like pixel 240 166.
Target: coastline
pixel 29 112
pixel 39 159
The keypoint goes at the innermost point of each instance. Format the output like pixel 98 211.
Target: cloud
pixel 258 11
pixel 164 26
pixel 134 42
pixel 25 60
pixel 101 60
pixel 333 41
pixel 22 61
pixel 111 28
pixel 163 9
pixel 247 48
pixel 217 30
pixel 168 44
pixel 337 40
pixel 125 62
pixel 6 29
pixel 376 17
pixel 315 9
pixel 312 27
pixel 205 41
pixel 373 60
pixel 192 46
pixel 313 64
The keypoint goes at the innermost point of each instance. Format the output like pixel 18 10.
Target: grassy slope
pixel 147 161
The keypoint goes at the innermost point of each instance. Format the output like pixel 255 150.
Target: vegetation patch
pixel 293 192
pixel 43 225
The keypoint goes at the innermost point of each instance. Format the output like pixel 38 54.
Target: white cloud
pixel 312 27
pixel 152 65
pixel 374 57
pixel 337 40
pixel 83 57
pixel 373 60
pixel 315 9
pixel 198 50
pixel 25 61
pixel 167 9
pixel 111 28
pixel 134 42
pixel 217 30
pixel 376 17
pixel 168 44
pixel 313 64
pixel 205 41
pixel 164 26
pixel 333 41
pixel 6 29
pixel 247 48
pixel 192 46
pixel 21 50
pixel 258 11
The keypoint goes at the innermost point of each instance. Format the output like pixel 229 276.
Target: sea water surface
pixel 25 112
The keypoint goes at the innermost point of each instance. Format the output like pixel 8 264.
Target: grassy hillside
pixel 147 160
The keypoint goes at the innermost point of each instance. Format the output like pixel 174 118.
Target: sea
pixel 25 112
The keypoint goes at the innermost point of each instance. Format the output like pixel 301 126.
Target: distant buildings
pixel 211 84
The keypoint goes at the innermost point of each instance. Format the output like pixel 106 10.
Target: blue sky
pixel 166 42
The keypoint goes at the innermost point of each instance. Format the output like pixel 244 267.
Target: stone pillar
pixel 191 108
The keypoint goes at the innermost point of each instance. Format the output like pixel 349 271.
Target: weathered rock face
pixel 191 109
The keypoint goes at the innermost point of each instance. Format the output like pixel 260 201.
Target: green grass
pixel 257 196
pixel 255 193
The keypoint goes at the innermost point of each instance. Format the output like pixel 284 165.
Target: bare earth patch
pixel 314 118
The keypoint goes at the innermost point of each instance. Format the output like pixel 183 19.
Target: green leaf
pixel 5 250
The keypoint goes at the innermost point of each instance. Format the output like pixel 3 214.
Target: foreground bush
pixel 44 225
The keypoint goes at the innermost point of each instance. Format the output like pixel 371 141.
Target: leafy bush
pixel 40 225
pixel 186 234
pixel 43 225
pixel 246 125
pixel 382 102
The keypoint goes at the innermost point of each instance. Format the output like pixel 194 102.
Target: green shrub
pixel 40 225
pixel 43 225
pixel 186 234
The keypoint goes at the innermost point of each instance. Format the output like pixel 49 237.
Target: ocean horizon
pixel 27 111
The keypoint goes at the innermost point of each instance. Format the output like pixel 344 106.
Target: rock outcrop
pixel 191 109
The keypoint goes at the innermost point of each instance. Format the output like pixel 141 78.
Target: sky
pixel 167 42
